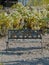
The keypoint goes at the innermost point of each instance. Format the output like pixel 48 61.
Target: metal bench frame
pixel 24 34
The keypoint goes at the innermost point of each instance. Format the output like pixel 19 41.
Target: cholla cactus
pixel 17 20
pixel 4 23
pixel 20 16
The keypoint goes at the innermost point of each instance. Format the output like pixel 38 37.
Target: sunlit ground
pixel 26 52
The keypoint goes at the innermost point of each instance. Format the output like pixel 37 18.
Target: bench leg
pixel 41 47
pixel 7 46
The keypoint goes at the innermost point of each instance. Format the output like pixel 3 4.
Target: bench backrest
pixel 24 34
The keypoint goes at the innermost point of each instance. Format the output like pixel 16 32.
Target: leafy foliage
pixel 24 16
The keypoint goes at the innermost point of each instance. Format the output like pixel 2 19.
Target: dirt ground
pixel 25 52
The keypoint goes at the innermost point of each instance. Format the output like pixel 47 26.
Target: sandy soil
pixel 26 50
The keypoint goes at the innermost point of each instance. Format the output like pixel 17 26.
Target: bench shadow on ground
pixel 13 51
pixel 36 61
